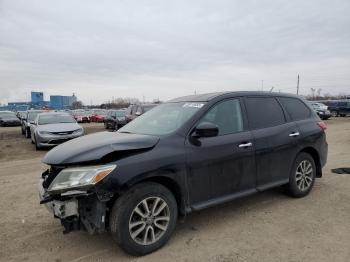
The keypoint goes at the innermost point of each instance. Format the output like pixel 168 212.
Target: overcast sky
pixel 164 49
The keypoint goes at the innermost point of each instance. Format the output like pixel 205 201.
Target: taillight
pixel 322 125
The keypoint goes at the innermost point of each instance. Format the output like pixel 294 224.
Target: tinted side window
pixel 133 110
pixel 227 116
pixel 264 112
pixel 128 110
pixel 295 108
pixel 139 110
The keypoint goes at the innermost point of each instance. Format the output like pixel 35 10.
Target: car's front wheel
pixel 143 219
pixel 302 176
pixel 37 146
pixel 27 133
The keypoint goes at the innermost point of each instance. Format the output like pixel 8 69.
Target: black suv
pixel 184 155
pixel 115 119
pixel 134 111
pixel 338 107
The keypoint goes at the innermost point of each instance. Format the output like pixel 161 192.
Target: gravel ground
pixel 265 227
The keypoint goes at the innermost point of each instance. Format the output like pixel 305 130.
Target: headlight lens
pixel 44 132
pixel 76 177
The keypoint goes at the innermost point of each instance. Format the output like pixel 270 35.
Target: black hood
pixel 96 146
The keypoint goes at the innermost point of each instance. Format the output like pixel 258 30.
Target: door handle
pixel 249 144
pixel 294 134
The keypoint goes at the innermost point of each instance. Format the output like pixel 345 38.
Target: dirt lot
pixel 265 227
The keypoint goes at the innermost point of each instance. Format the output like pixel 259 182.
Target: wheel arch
pixel 315 155
pixel 165 180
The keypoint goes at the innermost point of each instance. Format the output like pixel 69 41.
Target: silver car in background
pixel 50 129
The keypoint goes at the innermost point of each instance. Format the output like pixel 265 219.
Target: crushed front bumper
pixel 77 210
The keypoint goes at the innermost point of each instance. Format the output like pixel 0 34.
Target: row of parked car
pixel 327 109
pixel 49 128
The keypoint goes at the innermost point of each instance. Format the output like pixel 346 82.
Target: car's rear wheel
pixel 334 113
pixel 143 219
pixel 302 176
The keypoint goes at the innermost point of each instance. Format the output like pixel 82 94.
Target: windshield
pixel 120 113
pixel 163 119
pixel 32 115
pixel 55 119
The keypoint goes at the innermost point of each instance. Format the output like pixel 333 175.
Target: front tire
pixel 302 176
pixel 27 133
pixel 143 219
pixel 37 146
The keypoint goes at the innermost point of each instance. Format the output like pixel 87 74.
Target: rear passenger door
pixel 301 114
pixel 274 140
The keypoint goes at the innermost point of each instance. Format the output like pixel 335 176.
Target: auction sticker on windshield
pixel 195 105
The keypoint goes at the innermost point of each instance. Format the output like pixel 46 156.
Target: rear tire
pixel 136 223
pixel 302 176
pixel 334 113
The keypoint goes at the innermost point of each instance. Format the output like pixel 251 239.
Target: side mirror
pixel 206 129
pixel 137 113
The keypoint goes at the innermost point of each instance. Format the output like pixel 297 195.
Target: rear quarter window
pixel 264 112
pixel 296 109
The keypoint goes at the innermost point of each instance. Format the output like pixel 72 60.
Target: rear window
pixel 264 112
pixel 296 109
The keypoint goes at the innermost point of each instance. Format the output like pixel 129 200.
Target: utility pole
pixel 262 85
pixel 298 86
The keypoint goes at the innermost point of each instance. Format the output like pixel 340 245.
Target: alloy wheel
pixel 304 175
pixel 149 220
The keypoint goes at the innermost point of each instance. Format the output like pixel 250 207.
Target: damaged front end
pixel 71 194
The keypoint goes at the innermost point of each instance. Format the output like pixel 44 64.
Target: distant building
pixel 18 106
pixel 62 102
pixel 37 102
pixel 37 97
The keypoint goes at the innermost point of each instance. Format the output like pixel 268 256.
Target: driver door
pixel 222 167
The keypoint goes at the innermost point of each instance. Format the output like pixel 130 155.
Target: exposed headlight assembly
pixel 78 177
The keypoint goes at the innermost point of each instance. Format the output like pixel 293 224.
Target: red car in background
pixel 82 117
pixel 98 115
